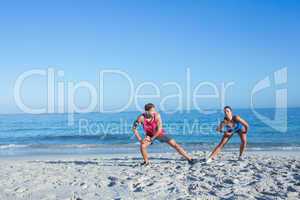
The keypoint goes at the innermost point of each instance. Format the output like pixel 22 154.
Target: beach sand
pixel 261 175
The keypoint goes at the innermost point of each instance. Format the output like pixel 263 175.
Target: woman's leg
pixel 243 136
pixel 219 147
pixel 143 148
pixel 179 149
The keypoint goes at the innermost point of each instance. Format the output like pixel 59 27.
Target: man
pixel 152 125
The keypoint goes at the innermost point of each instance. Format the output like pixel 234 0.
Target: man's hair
pixel 148 106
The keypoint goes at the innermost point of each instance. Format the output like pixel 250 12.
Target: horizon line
pixel 56 113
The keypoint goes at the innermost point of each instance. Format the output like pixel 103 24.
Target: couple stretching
pixel 152 124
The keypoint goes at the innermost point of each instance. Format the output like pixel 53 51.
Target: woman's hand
pixel 220 127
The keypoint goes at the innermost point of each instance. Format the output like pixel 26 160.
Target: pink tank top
pixel 150 127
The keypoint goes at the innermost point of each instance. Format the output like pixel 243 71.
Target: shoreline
pixel 108 150
pixel 290 153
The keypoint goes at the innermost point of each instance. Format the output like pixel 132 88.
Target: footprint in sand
pixel 192 178
pixel 150 184
pixel 75 197
pixel 297 183
pixel 245 170
pixel 20 190
pixel 291 189
pixel 229 181
pixel 137 187
pixel 178 167
pixel 173 189
pixel 83 185
pixel 113 181
pixel 297 177
pixel 193 188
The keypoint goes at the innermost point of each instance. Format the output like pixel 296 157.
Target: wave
pixel 200 146
pixel 67 137
pixel 58 146
pixel 10 146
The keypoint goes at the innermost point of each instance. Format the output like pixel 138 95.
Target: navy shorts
pixel 164 138
pixel 238 129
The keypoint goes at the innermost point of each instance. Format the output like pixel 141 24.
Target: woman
pixel 230 125
pixel 152 125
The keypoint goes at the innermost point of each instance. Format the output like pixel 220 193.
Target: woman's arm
pixel 243 122
pixel 220 127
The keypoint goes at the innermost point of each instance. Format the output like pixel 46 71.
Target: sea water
pixel 97 133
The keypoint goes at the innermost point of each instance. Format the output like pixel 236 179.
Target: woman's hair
pixel 228 107
pixel 233 117
pixel 148 106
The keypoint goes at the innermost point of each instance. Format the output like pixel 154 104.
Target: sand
pixel 261 175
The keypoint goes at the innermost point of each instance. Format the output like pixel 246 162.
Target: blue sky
pixel 220 41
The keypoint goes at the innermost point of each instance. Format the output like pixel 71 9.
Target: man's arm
pixel 136 123
pixel 159 127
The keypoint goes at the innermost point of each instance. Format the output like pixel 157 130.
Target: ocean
pixel 97 133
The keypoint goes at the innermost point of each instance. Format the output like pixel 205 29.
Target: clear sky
pixel 220 41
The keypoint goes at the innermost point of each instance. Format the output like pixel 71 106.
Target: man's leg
pixel 179 149
pixel 219 147
pixel 143 148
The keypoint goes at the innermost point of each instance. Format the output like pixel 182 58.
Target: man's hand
pixel 147 140
pixel 140 140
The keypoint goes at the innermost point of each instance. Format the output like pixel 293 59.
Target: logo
pixel 280 79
